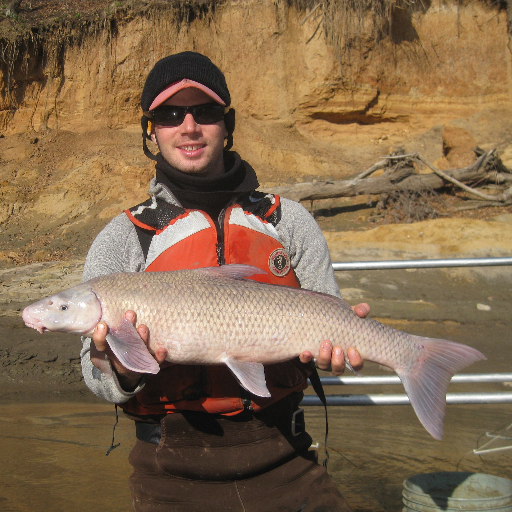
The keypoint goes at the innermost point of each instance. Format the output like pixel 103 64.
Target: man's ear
pixel 151 132
pixel 229 123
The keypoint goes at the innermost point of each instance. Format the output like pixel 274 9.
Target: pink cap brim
pixel 178 86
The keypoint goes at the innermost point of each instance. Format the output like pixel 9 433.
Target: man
pixel 203 442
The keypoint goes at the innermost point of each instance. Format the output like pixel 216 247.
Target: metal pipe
pixel 436 263
pixel 394 379
pixel 402 399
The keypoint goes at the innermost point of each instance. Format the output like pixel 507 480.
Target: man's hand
pixel 333 358
pixel 128 379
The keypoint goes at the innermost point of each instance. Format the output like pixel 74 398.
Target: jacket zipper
pixel 220 239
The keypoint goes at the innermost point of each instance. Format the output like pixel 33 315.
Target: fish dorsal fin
pixel 233 271
pixel 129 348
pixel 250 375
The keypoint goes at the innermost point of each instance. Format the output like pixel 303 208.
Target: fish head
pixel 77 310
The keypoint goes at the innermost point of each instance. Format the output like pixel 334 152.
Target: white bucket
pixel 456 491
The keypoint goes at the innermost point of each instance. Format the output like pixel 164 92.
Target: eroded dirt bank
pixel 313 101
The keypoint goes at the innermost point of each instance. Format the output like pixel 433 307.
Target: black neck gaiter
pixel 208 194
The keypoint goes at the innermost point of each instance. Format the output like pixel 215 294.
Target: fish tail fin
pixel 426 380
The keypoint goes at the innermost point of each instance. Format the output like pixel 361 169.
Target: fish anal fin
pixel 351 368
pixel 250 375
pixel 129 348
pixel 426 382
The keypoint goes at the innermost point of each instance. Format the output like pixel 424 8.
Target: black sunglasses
pixel 171 115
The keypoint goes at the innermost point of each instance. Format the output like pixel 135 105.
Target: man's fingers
pixel 160 355
pixel 362 310
pixel 355 359
pixel 100 343
pixel 323 360
pixel 99 337
pixel 305 356
pixel 131 316
pixel 143 333
pixel 337 361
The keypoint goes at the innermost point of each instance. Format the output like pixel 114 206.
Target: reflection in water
pixel 374 449
pixel 52 456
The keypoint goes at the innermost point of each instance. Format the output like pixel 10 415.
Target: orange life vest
pixel 188 239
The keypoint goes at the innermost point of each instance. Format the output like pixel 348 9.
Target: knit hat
pixel 188 66
pixel 176 72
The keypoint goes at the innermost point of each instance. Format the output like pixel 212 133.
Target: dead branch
pixel 372 169
pixel 504 196
pixel 401 177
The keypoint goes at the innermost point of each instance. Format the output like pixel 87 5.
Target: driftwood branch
pixel 402 177
pixel 504 196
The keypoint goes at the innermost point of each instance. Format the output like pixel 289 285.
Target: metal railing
pixel 403 399
pixel 435 263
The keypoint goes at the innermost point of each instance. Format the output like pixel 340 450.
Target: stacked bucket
pixel 457 491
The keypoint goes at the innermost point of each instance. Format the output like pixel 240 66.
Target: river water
pixel 52 456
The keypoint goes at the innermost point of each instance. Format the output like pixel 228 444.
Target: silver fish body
pixel 215 316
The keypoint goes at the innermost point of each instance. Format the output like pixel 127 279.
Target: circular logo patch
pixel 279 263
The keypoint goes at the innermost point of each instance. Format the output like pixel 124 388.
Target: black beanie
pixel 174 68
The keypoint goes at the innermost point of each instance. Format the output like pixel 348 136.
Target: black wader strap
pixel 112 445
pixel 145 237
pixel 319 390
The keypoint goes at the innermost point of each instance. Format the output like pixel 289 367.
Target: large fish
pixel 214 315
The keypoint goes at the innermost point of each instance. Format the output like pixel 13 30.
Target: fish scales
pixel 214 316
pixel 258 322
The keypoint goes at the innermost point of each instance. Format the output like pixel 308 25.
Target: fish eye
pixel 63 307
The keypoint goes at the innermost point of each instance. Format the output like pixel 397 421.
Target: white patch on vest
pixel 240 218
pixel 193 223
pixel 141 207
pixel 272 198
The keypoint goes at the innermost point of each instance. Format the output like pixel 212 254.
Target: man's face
pixel 191 147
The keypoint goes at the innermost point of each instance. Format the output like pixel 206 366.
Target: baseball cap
pixel 176 72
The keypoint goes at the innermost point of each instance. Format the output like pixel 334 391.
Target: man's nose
pixel 189 124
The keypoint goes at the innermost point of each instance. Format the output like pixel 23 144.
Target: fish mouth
pixel 38 328
pixel 33 322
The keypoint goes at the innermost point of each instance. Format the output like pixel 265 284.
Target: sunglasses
pixel 170 115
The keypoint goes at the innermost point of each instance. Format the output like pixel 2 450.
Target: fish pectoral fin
pixel 102 363
pixel 131 351
pixel 250 375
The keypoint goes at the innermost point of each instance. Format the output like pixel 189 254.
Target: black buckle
pixel 298 422
pixel 193 392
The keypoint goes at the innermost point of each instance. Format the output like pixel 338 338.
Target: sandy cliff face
pixel 445 60
pixel 69 110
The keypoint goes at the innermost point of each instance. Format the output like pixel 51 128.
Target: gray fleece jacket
pixel 117 249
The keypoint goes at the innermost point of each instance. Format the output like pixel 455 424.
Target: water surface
pixel 52 456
